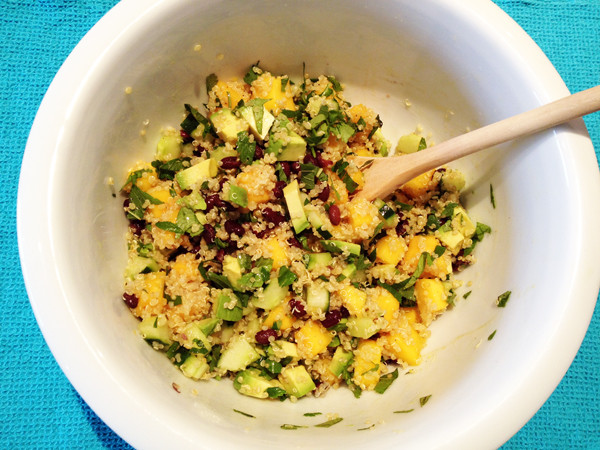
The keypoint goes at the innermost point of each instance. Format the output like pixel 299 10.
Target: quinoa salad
pixel 251 258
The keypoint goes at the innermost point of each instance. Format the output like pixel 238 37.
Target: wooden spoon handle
pixel 386 174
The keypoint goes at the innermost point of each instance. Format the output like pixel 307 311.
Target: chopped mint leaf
pixel 337 87
pixel 166 170
pixel 134 176
pixel 194 119
pixel 422 144
pixel 492 199
pixel 211 82
pixel 466 294
pixel 286 276
pixel 243 413
pixel 424 400
pixel 245 148
pixel 288 426
pixel 480 230
pixel 276 392
pixel 386 381
pixel 439 250
pixel 258 111
pixel 491 336
pixel 448 210
pixel 138 198
pixel 329 423
pixel 370 427
pixel 312 414
pixel 503 299
pixel 253 73
pixel 404 411
pixel 169 226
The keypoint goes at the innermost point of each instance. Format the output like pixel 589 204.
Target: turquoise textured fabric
pixel 38 406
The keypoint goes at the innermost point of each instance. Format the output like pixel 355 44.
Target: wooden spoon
pixel 384 175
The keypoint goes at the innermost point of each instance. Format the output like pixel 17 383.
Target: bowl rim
pixel 126 415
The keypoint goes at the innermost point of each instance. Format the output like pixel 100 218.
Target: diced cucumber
pixel 382 145
pixel 222 152
pixel 341 247
pixel 271 296
pixel 194 367
pixel 318 260
pixel 296 381
pixel 155 328
pixel 227 125
pixel 317 299
pixel 316 221
pixel 283 349
pixel 140 264
pixel 250 382
pixel 195 338
pixel 453 180
pixel 208 325
pixel 341 360
pixel 362 327
pixel 386 212
pixel 347 272
pixel 238 355
pixel 410 143
pixel 168 147
pixel 229 308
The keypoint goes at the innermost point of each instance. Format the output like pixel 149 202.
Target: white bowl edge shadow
pixel 77 262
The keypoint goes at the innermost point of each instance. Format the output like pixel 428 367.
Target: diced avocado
pixel 382 145
pixel 229 308
pixel 168 147
pixel 238 195
pixel 462 222
pixel 286 144
pixel 238 354
pixel 318 260
pixel 140 264
pixel 194 367
pixel 196 174
pixel 341 360
pixel 295 207
pixel 155 328
pixel 228 125
pixel 341 247
pixel 195 337
pixel 232 270
pixel 272 295
pixel 259 128
pixel 283 349
pixel 452 234
pixel 453 180
pixel 317 298
pixel 452 239
pixel 296 381
pixel 208 325
pixel 316 221
pixel 250 382
pixel 194 201
pixel 410 143
pixel 362 327
pixel 222 152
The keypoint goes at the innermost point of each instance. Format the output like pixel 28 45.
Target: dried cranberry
pixel 285 166
pixel 130 300
pixel 186 137
pixel 273 217
pixel 332 318
pixel 233 227
pixel 335 216
pixel 262 337
pixel 209 234
pixel 126 203
pixel 297 308
pixel 295 242
pixel 258 153
pixel 137 226
pixel 402 227
pixel 322 162
pixel 345 312
pixel 310 159
pixel 230 162
pixel 295 167
pixel 278 189
pixel 324 194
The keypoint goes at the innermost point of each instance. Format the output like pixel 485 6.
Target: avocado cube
pixel 291 193
pixel 232 270
pixel 259 128
pixel 238 354
pixel 196 174
pixel 341 359
pixel 155 328
pixel 250 382
pixel 228 125
pixel 362 327
pixel 168 147
pixel 194 367
pixel 296 381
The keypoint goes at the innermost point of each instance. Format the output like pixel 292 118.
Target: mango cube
pixel 387 303
pixel 419 185
pixel 151 300
pixel 367 364
pixel 312 338
pixel 390 249
pixel 431 298
pixel 278 314
pixel 420 244
pixel 353 299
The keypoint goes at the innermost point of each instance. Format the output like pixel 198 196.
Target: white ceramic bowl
pixel 460 64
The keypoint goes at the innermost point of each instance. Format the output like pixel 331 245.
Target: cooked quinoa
pixel 251 258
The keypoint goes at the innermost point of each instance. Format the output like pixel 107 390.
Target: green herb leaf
pixel 503 299
pixel 276 392
pixel 424 400
pixel 288 426
pixel 258 111
pixel 448 210
pixel 439 250
pixel 492 199
pixel 211 82
pixel 386 381
pixel 194 119
pixel 134 176
pixel 466 294
pixel 422 144
pixel 245 148
pixel 312 414
pixel 169 226
pixel 491 336
pixel 286 276
pixel 337 87
pixel 243 413
pixel 253 73
pixel 329 423
pixel 173 301
pixel 404 411
pixel 138 198
pixel 166 170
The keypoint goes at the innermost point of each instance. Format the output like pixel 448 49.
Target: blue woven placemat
pixel 38 406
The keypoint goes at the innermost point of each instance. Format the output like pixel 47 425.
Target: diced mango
pixel 353 299
pixel 387 303
pixel 312 338
pixel 362 151
pixel 411 314
pixel 270 87
pixel 362 212
pixel 419 185
pixel 185 267
pixel 419 244
pixel 230 93
pixel 360 111
pixel 277 250
pixel 390 249
pixel 259 181
pixel 367 364
pixel 358 177
pixel 151 300
pixel 403 344
pixel 431 298
pixel 338 193
pixel 148 178
pixel 159 211
pixel 278 314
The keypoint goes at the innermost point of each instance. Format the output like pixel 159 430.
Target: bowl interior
pixel 454 71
